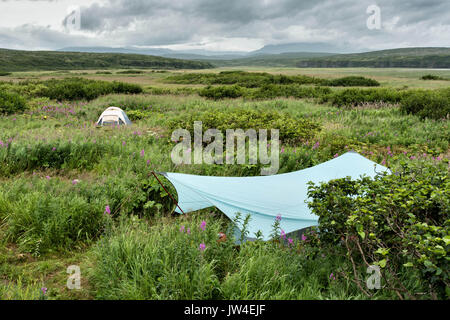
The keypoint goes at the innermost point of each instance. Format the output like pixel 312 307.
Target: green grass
pixel 47 224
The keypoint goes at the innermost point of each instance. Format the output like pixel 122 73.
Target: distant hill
pixel 17 60
pixel 290 59
pixel 168 53
pixel 305 47
pixel 393 58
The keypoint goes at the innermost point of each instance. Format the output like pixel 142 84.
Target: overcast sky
pixel 223 25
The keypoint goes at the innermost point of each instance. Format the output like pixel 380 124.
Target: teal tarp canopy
pixel 265 197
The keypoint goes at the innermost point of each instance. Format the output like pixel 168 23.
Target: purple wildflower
pixel 203 225
pixel 107 210
pixel 304 237
pixel 202 247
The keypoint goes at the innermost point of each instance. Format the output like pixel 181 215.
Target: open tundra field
pixel 80 200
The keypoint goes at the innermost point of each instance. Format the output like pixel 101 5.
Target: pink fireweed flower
pixel 47 177
pixel 202 247
pixel 142 152
pixel 278 218
pixel 203 225
pixel 107 210
pixel 188 231
pixel 304 237
pixel 282 149
pixel 124 143
pixel 182 229
pixel 291 241
pixel 75 181
pixel 148 162
pixel 316 145
pixel 282 234
pixel 336 155
pixel 53 149
pixel 44 290
pixel 332 276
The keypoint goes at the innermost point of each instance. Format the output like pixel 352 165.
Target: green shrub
pixel 352 81
pixel 11 102
pixel 428 104
pixel 399 222
pixel 3 74
pixel 354 96
pixel 222 92
pixel 259 79
pixel 287 91
pixel 431 77
pixel 291 129
pixel 130 72
pixel 83 89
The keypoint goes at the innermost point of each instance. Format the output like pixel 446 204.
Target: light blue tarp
pixel 265 197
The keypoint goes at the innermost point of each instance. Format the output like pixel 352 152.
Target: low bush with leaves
pixel 400 222
pixel 432 77
pixel 84 89
pixel 428 104
pixel 259 79
pixel 352 81
pixel 11 102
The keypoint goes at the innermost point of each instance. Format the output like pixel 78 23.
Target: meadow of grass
pixel 75 194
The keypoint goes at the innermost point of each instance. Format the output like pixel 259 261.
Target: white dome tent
pixel 113 116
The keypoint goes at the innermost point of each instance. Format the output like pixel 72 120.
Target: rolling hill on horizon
pixel 20 60
pixel 310 55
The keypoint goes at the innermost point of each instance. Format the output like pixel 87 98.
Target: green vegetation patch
pixel 291 129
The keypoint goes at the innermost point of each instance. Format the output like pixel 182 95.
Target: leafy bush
pixel 259 79
pixel 287 91
pixel 399 222
pixel 432 77
pixel 83 89
pixel 130 72
pixel 428 104
pixel 355 96
pixel 352 81
pixel 222 92
pixel 3 74
pixel 11 102
pixel 291 129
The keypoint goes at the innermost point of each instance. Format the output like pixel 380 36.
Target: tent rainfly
pixel 266 197
pixel 113 116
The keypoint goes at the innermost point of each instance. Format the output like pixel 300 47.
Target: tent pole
pixel 173 199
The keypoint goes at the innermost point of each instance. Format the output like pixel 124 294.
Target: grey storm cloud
pixel 161 22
